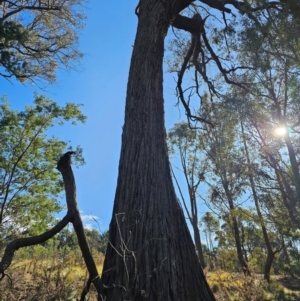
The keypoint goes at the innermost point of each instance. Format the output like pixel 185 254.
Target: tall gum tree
pixel 150 255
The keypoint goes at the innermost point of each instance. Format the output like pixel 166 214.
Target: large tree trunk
pixel 151 255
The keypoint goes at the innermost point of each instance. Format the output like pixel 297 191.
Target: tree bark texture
pixel 150 255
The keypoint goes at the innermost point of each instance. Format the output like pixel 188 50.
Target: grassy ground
pixel 237 287
pixel 47 279
pixel 63 278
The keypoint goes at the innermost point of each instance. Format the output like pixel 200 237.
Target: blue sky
pixel 100 85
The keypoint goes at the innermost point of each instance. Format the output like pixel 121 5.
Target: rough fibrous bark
pixel 151 255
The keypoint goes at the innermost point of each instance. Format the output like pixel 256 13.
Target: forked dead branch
pixel 72 216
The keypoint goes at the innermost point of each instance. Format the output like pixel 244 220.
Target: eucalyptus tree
pixel 185 144
pixel 257 175
pixel 261 175
pixel 227 181
pixel 271 197
pixel 274 95
pixel 211 224
pixel 37 37
pixel 30 182
pixel 148 234
pixel 269 106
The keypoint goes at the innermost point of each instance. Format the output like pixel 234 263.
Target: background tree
pixel 251 175
pixel 228 179
pixel 211 226
pixel 187 144
pixel 97 241
pixel 30 184
pixel 37 37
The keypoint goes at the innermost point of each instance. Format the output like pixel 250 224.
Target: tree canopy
pixel 37 37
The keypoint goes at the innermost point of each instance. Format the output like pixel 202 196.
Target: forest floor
pixel 290 283
pixel 236 287
pixel 53 279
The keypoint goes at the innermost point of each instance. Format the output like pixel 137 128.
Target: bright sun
pixel 280 131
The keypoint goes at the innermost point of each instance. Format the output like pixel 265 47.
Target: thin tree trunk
pixel 270 252
pixel 193 218
pixel 243 244
pixel 198 243
pixel 236 233
pixel 150 255
pixel 239 250
pixel 268 265
pixel 73 216
pixel 286 254
pixel 194 221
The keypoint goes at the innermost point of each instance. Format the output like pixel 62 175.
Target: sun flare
pixel 280 131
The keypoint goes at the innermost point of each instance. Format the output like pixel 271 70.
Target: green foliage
pixel 29 181
pixel 38 37
pixel 211 226
pixel 96 240
pixel 247 107
pixel 11 31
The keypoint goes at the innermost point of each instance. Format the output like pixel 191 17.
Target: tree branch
pixel 18 243
pixel 64 166
pixel 193 25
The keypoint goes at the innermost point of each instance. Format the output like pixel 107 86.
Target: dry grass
pixel 236 287
pixel 54 278
pixel 62 278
